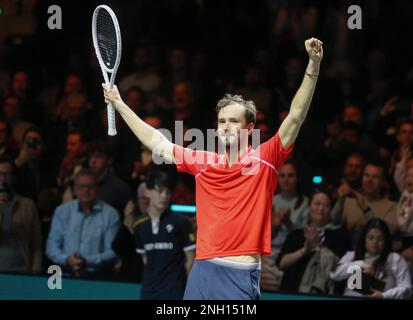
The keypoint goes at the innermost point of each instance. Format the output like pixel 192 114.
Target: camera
pixel 32 143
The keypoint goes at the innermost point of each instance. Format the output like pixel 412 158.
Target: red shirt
pixel 234 203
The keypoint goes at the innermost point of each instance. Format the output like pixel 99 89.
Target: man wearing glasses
pixel 82 232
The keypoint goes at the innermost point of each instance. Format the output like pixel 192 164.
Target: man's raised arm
pixel 299 106
pixel 153 139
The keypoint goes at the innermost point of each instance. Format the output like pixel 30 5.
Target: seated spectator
pixel 21 248
pixel 401 158
pixel 74 160
pixel 111 188
pixel 130 266
pixel 8 146
pixel 35 172
pixel 373 254
pixel 82 231
pixel 352 174
pixel 405 206
pixel 353 208
pixel 407 253
pixel 290 206
pixel 12 113
pixel 166 242
pixel 310 252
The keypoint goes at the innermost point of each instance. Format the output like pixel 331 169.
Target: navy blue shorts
pixel 219 279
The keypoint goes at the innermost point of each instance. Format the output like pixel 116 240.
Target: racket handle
pixel 111 120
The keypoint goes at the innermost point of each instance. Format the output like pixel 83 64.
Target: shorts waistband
pixel 235 264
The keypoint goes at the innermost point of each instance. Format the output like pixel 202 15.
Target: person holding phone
pixel 373 254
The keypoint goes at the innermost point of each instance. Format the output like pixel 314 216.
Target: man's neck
pixel 85 207
pixel 155 213
pixel 233 156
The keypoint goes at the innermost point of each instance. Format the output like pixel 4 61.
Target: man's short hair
pixel 100 146
pixel 158 178
pixel 250 108
pixel 85 172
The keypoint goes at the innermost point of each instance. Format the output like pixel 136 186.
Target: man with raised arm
pixel 233 208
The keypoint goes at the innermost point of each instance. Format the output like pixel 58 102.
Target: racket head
pixel 107 40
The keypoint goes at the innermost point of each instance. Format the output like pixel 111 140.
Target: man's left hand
pixel 314 48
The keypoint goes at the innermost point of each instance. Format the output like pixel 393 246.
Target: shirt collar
pixel 97 206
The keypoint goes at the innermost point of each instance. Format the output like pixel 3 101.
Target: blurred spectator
pixel 111 188
pixel 73 162
pixel 405 206
pixel 353 171
pixel 130 267
pixel 21 88
pixel 373 255
pixel 21 248
pixel 143 76
pixel 405 146
pixel 310 253
pixel 35 173
pixel 12 112
pixel 82 232
pixel 166 241
pixel 290 212
pixel 290 205
pixel 8 146
pixel 354 208
pixel 407 253
pixel 254 89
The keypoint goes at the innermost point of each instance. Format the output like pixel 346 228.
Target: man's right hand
pixel 111 95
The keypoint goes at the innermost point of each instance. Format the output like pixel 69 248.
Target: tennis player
pixel 233 208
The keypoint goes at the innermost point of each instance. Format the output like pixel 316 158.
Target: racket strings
pixel 106 38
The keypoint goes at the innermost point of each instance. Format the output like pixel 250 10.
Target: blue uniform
pixel 164 275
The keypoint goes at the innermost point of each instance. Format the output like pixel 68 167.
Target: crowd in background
pixel 351 170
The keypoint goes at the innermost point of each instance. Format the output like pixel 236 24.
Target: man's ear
pixel 250 127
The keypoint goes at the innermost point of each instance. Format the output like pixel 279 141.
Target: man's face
pixel 98 162
pixel 20 83
pixel 85 188
pixel 73 84
pixel 352 114
pixel 6 176
pixel 372 179
pixel 11 108
pixel 353 169
pixel 405 135
pixel 134 100
pixel 76 104
pixel 181 96
pixel 159 197
pixel 75 145
pixel 231 119
pixel 288 178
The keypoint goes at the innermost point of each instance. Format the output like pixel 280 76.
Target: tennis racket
pixel 108 48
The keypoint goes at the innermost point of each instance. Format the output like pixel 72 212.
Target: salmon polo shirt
pixel 234 202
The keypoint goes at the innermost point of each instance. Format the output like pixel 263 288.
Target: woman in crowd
pixel 378 263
